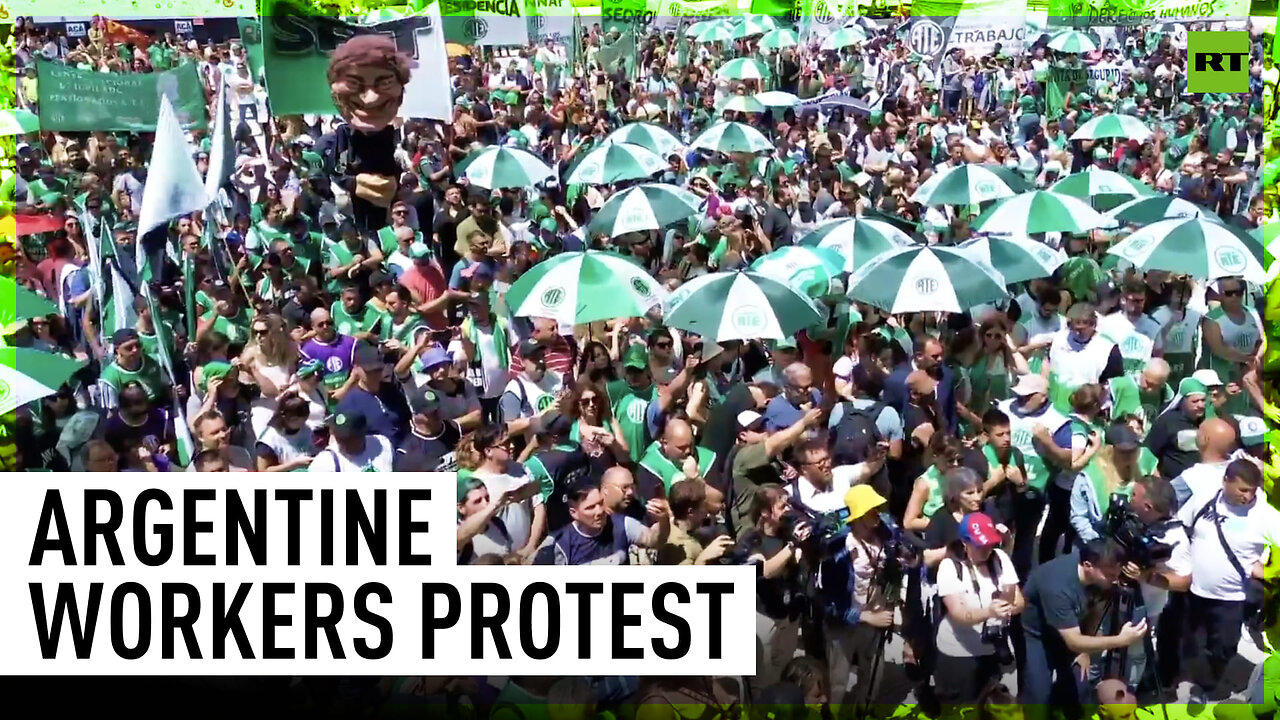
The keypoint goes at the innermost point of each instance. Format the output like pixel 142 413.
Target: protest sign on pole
pixel 84 100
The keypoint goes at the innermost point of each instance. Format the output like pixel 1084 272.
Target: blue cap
pixel 433 358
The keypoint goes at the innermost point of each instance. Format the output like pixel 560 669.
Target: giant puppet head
pixel 367 77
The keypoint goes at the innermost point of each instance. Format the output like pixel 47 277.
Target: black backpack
pixel 856 434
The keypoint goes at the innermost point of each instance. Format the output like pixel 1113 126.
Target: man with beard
pixel 1134 332
pixel 484 219
pixel 444 227
pixel 367 77
pixel 930 359
pixel 1080 355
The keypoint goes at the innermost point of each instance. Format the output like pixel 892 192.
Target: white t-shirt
pixel 517 517
pixel 1249 531
pixel 831 499
pixel 957 639
pixel 1179 563
pixel 378 456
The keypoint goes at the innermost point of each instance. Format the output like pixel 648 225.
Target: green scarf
pixel 655 462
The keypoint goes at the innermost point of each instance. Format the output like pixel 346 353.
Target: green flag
pixel 1060 82
pixel 620 52
pixel 251 36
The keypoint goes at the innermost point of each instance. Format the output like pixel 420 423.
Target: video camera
pixel 1139 539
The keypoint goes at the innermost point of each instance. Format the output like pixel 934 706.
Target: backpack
pixel 856 434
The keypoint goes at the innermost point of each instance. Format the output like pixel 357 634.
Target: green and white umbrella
pixel 743 69
pixel 856 240
pixel 1072 41
pixel 924 279
pixel 1198 247
pixel 844 37
pixel 779 39
pixel 616 162
pixel 1269 237
pixel 18 122
pixel 28 375
pixel 720 32
pixel 697 28
pixel 1105 189
pixel 18 303
pixel 1041 211
pixel 969 185
pixel 1113 126
pixel 582 287
pixel 1147 210
pixel 647 135
pixel 742 103
pixel 732 137
pixel 753 25
pixel 741 305
pixel 496 167
pixel 651 206
pixel 777 98
pixel 1018 259
pixel 812 271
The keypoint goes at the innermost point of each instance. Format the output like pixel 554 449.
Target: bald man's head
pixel 322 324
pixel 1216 440
pixel 677 440
pixel 619 488
pixel 1155 374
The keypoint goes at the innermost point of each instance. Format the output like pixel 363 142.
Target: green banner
pixel 619 52
pixel 251 36
pixel 85 100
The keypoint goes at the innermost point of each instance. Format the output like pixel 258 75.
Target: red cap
pixel 979 530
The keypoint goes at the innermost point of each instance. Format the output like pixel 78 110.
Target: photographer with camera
pixel 1113 471
pixel 1057 649
pixel 1231 529
pixel 980 593
pixel 772 545
pixel 859 594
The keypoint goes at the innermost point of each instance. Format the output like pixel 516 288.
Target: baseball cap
pixel 862 499
pixel 979 530
pixel 309 368
pixel 637 357
pixel 434 357
pixel 424 401
pixel 531 348
pixel 786 343
pixel 555 424
pixel 348 423
pixel 209 371
pixel 1030 384
pixel 419 251
pixel 1122 437
pixel 1253 430
pixel 750 420
pixel 367 356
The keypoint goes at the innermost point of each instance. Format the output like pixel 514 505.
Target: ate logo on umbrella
pixel 1136 246
pixel 748 318
pixel 553 297
pixel 641 287
pixel 986 187
pixel 1229 259
pixel 927 286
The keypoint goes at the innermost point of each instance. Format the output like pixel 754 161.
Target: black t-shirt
pixel 1163 442
pixel 446 227
pixel 424 453
pixel 1056 600
pixel 488 133
pixel 773 595
pixel 777 225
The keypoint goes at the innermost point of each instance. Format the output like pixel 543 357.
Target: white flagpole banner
pixel 429 93
pixel 174 186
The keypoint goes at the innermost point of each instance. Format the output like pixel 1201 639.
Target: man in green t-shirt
pixel 354 317
pixel 131 364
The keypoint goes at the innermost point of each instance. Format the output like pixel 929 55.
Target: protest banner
pixel 296 51
pixel 485 22
pixel 1129 13
pixel 84 100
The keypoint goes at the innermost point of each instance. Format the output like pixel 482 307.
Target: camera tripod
pixel 1118 612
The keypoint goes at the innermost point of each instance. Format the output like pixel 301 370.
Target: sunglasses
pixel 1233 293
pixel 588 401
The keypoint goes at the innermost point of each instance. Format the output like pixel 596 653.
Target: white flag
pixel 222 152
pixel 174 186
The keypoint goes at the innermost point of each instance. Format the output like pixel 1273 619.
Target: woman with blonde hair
pixel 270 360
pixel 1113 472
